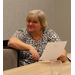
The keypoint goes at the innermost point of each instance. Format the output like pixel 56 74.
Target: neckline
pixel 32 37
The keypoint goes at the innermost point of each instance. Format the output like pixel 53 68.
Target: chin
pixel 30 30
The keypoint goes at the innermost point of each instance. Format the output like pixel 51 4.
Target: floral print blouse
pixel 22 34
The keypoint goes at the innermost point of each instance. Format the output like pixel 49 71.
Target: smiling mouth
pixel 31 27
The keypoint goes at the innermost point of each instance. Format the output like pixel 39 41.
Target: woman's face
pixel 33 25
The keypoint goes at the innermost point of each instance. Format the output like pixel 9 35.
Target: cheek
pixel 27 24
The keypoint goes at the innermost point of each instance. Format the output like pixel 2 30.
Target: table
pixel 39 68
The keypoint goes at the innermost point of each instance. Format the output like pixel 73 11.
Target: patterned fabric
pixel 22 34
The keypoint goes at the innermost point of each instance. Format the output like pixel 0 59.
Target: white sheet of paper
pixel 53 50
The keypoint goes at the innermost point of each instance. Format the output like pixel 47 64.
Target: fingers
pixel 34 53
pixel 62 58
pixel 35 57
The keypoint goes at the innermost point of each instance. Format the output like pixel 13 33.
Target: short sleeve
pixel 53 36
pixel 19 34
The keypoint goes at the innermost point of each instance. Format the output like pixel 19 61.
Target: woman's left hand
pixel 62 58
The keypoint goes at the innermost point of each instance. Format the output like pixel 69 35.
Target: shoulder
pixel 22 29
pixel 52 35
pixel 19 32
pixel 48 31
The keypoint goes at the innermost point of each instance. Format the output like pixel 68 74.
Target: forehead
pixel 33 18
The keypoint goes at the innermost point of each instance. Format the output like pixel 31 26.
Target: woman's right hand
pixel 35 54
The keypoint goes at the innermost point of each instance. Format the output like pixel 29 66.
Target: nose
pixel 31 23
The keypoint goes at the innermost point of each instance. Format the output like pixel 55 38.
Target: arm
pixel 17 44
pixel 64 53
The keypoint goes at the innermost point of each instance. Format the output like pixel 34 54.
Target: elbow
pixel 10 42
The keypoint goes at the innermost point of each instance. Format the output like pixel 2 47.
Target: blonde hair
pixel 38 14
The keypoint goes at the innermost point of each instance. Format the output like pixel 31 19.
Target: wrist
pixel 30 47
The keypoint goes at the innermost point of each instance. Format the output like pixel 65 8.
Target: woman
pixel 32 41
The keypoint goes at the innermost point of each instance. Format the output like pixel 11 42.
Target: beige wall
pixel 15 12
pixel 62 21
pixel 57 12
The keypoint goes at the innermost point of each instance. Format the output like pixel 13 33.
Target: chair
pixel 10 56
